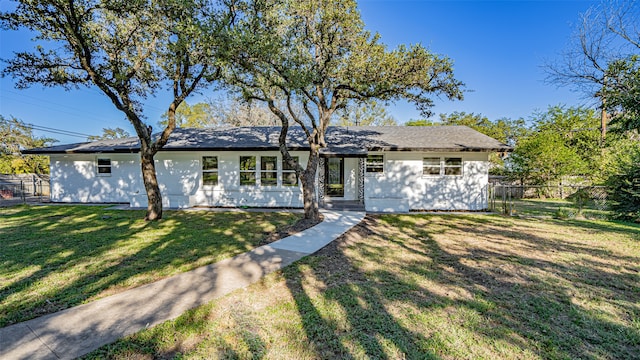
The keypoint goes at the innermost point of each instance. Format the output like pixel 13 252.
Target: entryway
pixel 340 182
pixel 334 177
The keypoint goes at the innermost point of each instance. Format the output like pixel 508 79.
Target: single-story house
pixel 383 168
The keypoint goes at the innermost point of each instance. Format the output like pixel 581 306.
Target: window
pixel 431 166
pixel 209 170
pixel 453 166
pixel 104 167
pixel 269 170
pixel 437 166
pixel 375 163
pixel 289 177
pixel 247 170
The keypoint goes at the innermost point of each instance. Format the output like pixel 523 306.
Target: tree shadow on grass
pixel 367 329
pixel 96 248
pixel 506 304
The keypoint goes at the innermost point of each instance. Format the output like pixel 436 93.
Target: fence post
pixel 510 203
pixel 24 199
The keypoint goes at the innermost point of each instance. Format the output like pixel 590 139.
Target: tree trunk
pixel 308 179
pixel 154 198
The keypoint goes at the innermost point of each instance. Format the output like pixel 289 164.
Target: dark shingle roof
pixel 344 141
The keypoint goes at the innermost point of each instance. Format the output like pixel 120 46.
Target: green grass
pixel 55 257
pixel 554 208
pixel 428 287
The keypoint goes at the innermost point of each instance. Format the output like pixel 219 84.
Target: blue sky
pixel 498 49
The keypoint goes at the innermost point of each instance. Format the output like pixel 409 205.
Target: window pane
pixel 268 163
pixel 375 163
pixel 210 178
pixel 453 171
pixel 104 162
pixel 247 178
pixel 104 169
pixel 453 166
pixel 286 166
pixel 269 178
pixel 431 170
pixel 452 161
pixel 431 166
pixel 289 179
pixel 431 161
pixel 209 163
pixel 247 163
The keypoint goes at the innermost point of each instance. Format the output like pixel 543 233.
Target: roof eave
pixel 441 149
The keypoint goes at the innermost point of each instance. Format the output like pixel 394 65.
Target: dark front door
pixel 334 177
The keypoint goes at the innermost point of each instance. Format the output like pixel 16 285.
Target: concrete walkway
pixel 76 331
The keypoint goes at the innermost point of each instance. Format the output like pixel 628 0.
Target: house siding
pixel 75 178
pixel 402 186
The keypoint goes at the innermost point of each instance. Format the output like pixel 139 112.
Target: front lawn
pixel 428 286
pixel 55 257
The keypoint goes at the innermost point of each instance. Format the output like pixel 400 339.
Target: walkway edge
pixel 79 330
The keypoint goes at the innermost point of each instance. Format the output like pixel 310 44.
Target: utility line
pixel 48 129
pixel 75 112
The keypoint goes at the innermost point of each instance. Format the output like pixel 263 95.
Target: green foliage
pixel 421 122
pixel 504 130
pixel 366 113
pixel 624 186
pixel 199 115
pixel 563 141
pixel 129 50
pixel 110 133
pixel 544 157
pixel 622 92
pixel 16 137
pixel 308 59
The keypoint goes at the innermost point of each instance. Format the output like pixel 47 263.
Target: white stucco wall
pixel 229 192
pixel 402 186
pixel 75 178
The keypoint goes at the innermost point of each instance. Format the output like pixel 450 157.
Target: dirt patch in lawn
pixel 288 230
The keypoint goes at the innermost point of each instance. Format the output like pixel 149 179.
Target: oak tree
pixel 308 59
pixel 129 50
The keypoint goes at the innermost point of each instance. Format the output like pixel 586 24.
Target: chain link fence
pixel 23 188
pixel 560 201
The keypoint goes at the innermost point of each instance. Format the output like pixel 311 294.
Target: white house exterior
pixel 383 169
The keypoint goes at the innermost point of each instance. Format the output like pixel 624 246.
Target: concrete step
pixel 343 205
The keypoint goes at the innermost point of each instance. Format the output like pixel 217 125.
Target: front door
pixel 334 177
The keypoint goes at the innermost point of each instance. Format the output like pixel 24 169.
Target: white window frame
pixel 459 166
pixel 432 166
pixel 377 164
pixel 104 166
pixel 264 171
pixel 249 171
pixel 443 166
pixel 286 170
pixel 211 171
